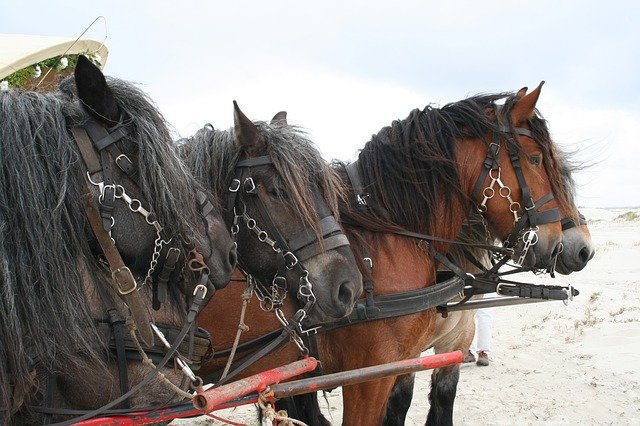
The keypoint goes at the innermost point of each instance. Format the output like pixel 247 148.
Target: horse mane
pixel 43 245
pixel 45 258
pixel 212 154
pixel 409 167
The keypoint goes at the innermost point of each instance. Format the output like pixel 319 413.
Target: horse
pixel 456 330
pixel 282 203
pixel 404 175
pixel 106 236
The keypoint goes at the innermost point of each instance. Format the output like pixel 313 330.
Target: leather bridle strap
pixel 568 223
pixel 122 279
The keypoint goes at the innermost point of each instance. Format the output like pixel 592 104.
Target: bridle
pixel 290 253
pixel 526 220
pixel 99 152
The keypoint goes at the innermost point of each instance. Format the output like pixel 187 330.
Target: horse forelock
pixel 44 310
pixel 303 170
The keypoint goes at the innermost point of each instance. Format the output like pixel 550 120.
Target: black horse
pixel 88 175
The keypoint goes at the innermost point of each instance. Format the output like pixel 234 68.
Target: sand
pixel 550 363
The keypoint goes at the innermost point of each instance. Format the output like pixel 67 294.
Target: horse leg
pixel 444 383
pixel 399 400
pixel 365 403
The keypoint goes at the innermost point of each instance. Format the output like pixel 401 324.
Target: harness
pixel 99 152
pixel 454 282
pixel 290 253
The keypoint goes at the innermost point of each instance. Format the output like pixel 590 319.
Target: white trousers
pixel 482 338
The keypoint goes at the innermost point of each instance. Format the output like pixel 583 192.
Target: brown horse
pixel 456 330
pixel 282 203
pixel 68 210
pixel 420 174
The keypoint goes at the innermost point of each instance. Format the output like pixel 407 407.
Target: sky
pixel 344 69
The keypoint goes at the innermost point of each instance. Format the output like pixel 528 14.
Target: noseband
pixel 290 253
pixel 526 220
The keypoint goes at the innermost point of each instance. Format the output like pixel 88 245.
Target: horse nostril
pixel 345 293
pixel 585 254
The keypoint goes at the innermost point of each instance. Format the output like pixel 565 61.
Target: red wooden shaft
pixel 351 377
pixel 211 398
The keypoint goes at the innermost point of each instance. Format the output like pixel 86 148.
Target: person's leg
pixel 482 346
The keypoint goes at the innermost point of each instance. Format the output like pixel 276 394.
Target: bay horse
pixel 93 199
pixel 282 204
pixel 456 330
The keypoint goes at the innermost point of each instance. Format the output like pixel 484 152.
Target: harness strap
pixel 161 284
pixel 122 280
pixel 356 184
pixel 202 296
pixel 568 223
pixel 490 163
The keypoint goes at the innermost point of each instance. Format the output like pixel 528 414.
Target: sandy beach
pixel 550 363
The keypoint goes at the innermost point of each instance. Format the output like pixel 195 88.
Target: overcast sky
pixel 344 69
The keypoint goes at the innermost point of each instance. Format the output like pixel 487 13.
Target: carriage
pixel 151 225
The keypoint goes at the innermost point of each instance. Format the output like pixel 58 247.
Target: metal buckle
pixel 249 186
pixel 235 185
pixel 122 276
pixel 128 160
pixel 362 199
pixel 292 258
pixel 500 285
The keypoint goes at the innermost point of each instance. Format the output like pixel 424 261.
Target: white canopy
pixel 18 51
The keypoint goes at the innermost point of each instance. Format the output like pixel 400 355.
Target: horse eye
pixel 279 193
pixel 536 160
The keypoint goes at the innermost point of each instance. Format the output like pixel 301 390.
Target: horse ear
pixel 247 135
pixel 94 93
pixel 280 118
pixel 521 92
pixel 524 109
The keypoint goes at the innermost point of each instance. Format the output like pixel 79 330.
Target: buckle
pixel 290 260
pixel 249 186
pixel 499 288
pixel 235 185
pixel 124 280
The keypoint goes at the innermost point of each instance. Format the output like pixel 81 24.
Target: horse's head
pixel 152 200
pixel 521 188
pixel 286 198
pixel 281 206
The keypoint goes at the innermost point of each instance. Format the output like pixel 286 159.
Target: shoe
pixel 483 359
pixel 469 357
